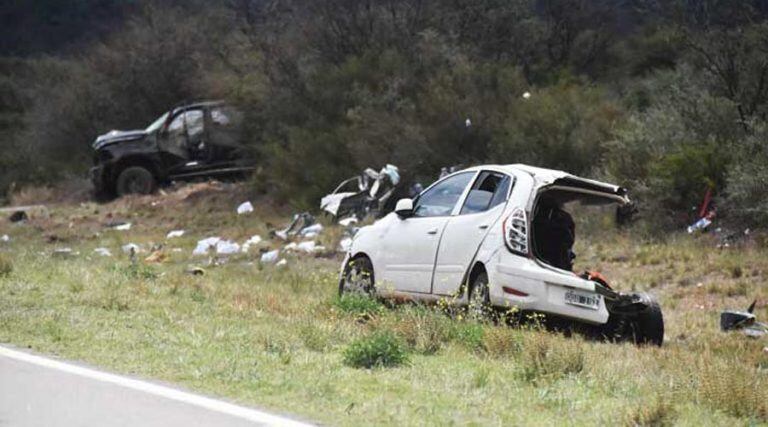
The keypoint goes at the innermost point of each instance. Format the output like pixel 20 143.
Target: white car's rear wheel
pixel 358 277
pixel 479 307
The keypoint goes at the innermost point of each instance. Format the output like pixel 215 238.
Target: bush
pixel 362 306
pixel 546 357
pixel 380 350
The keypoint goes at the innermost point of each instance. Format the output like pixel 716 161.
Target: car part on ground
pixel 367 193
pixel 299 223
pixel 745 321
pixel 511 224
pixel 194 141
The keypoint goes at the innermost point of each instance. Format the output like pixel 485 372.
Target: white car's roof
pixel 544 176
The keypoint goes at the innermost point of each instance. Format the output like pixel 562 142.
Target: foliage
pixel 380 350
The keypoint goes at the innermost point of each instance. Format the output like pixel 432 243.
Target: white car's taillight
pixel 515 229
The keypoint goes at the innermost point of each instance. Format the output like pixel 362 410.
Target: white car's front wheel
pixel 358 277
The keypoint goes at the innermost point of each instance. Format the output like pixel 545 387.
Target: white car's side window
pixel 441 199
pixel 489 190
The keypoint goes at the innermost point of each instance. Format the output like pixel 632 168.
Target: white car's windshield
pixel 156 124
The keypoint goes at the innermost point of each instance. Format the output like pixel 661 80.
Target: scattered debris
pixel 245 208
pixel 253 241
pixel 103 252
pixel 119 225
pixel 175 233
pixel 227 247
pixel 156 257
pixel 311 231
pixel 745 321
pixel 282 262
pixel 196 271
pixel 64 253
pixel 300 222
pixel 5 238
pixel 291 246
pixel 203 246
pixel 370 195
pixel 270 257
pixel 346 222
pixel 18 216
pixel 308 247
pixel 526 95
pixel 131 248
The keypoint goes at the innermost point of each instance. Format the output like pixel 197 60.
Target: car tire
pixel 479 298
pixel 135 180
pixel 643 328
pixel 358 277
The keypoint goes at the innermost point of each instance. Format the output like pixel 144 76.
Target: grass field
pixel 281 339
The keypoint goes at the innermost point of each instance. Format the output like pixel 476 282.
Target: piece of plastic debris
pixel 253 241
pixel 5 238
pixel 291 246
pixel 526 95
pixel 745 321
pixel 63 252
pixel 299 222
pixel 18 216
pixel 270 257
pixel 174 234
pixel 308 247
pixel 313 230
pixel 245 208
pixel 131 248
pixel 203 246
pixel 226 247
pixel 346 222
pixel 282 262
pixel 345 244
pixel 123 227
pixel 156 257
pixel 196 271
pixel 103 252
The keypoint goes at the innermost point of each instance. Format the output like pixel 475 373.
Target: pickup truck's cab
pixel 196 140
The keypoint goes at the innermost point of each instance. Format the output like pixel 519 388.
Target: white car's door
pixel 464 232
pixel 410 244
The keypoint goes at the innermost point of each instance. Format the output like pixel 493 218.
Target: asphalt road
pixel 37 391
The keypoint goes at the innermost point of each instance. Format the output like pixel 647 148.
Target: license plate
pixel 581 299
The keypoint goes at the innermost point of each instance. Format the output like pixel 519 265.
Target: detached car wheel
pixel 135 180
pixel 643 327
pixel 479 307
pixel 358 277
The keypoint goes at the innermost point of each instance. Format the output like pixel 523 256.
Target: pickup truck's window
pixel 441 199
pixel 489 190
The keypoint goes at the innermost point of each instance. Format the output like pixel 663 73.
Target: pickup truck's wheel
pixel 135 180
pixel 643 328
pixel 479 307
pixel 358 277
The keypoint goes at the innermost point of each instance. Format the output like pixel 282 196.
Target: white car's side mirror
pixel 404 208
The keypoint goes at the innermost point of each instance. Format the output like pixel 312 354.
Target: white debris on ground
pixel 103 252
pixel 270 257
pixel 175 233
pixel 253 241
pixel 245 208
pixel 217 244
pixel 64 252
pixel 311 231
pixel 123 227
pixel 290 246
pixel 283 262
pixel 5 238
pixel 131 248
pixel 346 222
pixel 227 247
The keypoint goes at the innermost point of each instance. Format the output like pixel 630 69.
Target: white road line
pixel 158 390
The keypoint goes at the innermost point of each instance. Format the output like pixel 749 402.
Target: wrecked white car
pixel 498 237
pixel 364 194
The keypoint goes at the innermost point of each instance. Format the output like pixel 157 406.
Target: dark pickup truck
pixel 199 140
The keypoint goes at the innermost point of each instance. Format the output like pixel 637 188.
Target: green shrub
pixel 468 334
pixel 362 306
pixel 380 350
